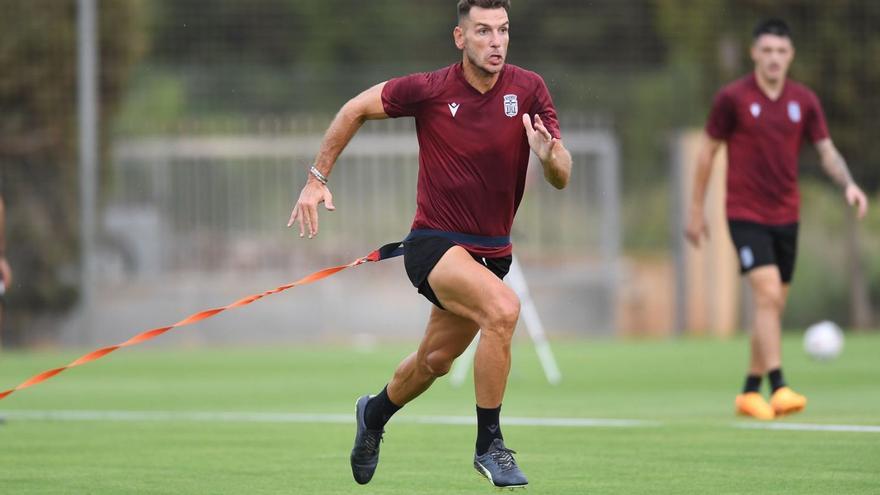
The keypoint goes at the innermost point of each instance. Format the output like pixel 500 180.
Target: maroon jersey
pixel 473 150
pixel 764 137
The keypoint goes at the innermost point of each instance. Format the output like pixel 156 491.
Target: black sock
pixel 776 380
pixel 753 384
pixel 488 428
pixel 379 410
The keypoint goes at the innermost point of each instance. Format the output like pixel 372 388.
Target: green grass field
pixel 685 389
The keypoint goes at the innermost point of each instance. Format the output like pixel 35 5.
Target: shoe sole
pixel 740 412
pixel 793 410
pixel 484 474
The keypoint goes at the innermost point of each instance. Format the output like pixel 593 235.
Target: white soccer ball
pixel 823 340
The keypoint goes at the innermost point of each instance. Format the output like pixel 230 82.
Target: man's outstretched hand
pixel 306 209
pixel 540 139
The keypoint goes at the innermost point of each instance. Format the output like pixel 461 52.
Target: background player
pixel 475 132
pixel 764 118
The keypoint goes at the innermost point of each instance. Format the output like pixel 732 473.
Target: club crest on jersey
pixel 755 109
pixel 794 111
pixel 511 107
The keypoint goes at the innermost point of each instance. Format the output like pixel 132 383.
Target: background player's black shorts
pixel 758 245
pixel 421 254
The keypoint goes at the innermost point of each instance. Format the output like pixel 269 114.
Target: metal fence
pixel 196 213
pixel 204 194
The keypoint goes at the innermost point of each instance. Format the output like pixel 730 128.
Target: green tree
pixel 836 43
pixel 38 150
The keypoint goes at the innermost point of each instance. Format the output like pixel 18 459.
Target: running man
pixel 476 122
pixel 764 118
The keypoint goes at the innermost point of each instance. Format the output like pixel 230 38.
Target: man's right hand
pixel 306 209
pixel 697 227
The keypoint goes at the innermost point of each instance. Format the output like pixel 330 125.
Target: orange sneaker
pixel 787 401
pixel 753 404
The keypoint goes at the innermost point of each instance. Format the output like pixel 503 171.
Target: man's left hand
pixel 855 197
pixel 540 140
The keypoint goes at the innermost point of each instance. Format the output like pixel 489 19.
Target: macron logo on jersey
pixel 453 108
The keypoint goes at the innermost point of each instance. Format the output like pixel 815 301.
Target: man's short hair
pixel 464 6
pixel 774 26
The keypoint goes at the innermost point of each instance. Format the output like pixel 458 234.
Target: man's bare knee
pixel 769 296
pixel 502 316
pixel 437 363
pixel 767 289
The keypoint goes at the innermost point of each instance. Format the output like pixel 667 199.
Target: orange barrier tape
pixel 377 255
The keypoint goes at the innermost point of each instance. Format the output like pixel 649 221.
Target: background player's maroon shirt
pixel 763 141
pixel 473 150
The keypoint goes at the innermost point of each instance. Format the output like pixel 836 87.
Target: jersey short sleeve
pixel 815 126
pixel 403 96
pixel 543 106
pixel 722 117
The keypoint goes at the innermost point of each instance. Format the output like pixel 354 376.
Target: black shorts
pixel 421 254
pixel 758 245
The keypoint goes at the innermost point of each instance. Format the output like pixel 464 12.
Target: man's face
pixel 772 55
pixel 483 37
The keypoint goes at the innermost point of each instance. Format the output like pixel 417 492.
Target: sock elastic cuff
pixel 752 384
pixel 379 410
pixel 776 379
